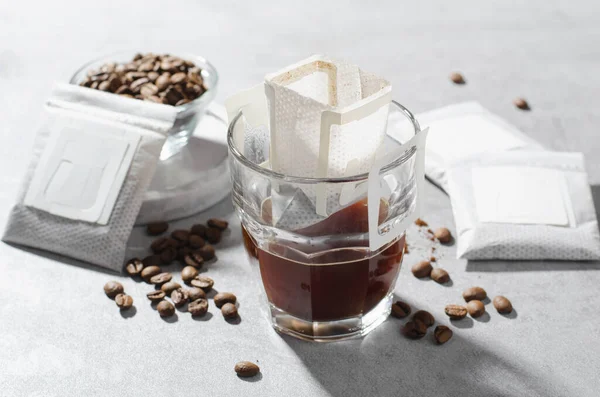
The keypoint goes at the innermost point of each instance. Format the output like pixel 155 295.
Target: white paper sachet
pixel 94 157
pixel 524 205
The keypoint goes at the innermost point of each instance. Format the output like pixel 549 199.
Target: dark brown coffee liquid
pixel 332 282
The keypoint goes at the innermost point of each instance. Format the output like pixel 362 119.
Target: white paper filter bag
pixel 94 157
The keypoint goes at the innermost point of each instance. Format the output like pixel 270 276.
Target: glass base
pixel 329 331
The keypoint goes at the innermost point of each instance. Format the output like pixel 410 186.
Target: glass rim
pixel 310 180
pixel 187 56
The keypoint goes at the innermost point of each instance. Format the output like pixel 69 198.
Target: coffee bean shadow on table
pixel 171 319
pixel 235 320
pixel 252 379
pixel 513 314
pixel 64 259
pixel 203 318
pixel 484 318
pixel 129 312
pixel 385 363
pixel 463 323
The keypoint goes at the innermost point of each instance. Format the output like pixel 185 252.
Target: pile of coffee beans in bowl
pixel 165 79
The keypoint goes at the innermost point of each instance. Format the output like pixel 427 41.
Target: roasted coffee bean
pixel 113 288
pixel 213 235
pixel 165 309
pixel 152 76
pixel 148 89
pixel 196 242
pixel 414 329
pixel 154 98
pixel 442 334
pixel 196 293
pixel 179 297
pixel 229 310
pixel 475 308
pixel 425 317
pixel 183 252
pixel 432 259
pixel 152 260
pixel 104 86
pixel 199 230
pixel 439 275
pixel 182 236
pixel 457 78
pixel 443 235
pixel 456 312
pixel 400 309
pixel 134 267
pixel 178 78
pixel 474 293
pixel 150 272
pixel 124 301
pixel 206 283
pixel 188 273
pixel 502 304
pixel 246 369
pixel 198 307
pixel 137 84
pixel 422 269
pixel 156 295
pixel 207 252
pixel 163 81
pixel 194 259
pixel 168 255
pixel 161 278
pixel 172 95
pixel 421 222
pixel 169 287
pixel 224 297
pixel 156 228
pixel 521 104
pixel 218 223
pixel 182 102
pixel 160 244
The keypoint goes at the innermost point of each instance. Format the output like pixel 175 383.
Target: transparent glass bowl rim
pixel 187 56
pixel 310 180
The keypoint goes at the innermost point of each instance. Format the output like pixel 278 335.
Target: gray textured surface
pixel 60 336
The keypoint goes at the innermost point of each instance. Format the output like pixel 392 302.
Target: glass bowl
pixel 188 115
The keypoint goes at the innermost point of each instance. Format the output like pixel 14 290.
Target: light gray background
pixel 59 334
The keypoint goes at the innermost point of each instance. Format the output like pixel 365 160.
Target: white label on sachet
pixel 522 195
pixel 81 172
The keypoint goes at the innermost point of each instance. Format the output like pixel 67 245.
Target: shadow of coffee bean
pixel 182 309
pixel 466 322
pixel 211 294
pixel 205 317
pixel 234 321
pixel 511 315
pixel 171 319
pixel 484 318
pixel 252 379
pixel 486 301
pixel 128 313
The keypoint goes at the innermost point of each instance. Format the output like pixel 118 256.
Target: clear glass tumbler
pixel 321 280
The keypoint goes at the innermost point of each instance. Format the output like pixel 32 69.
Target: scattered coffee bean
pixel 456 312
pixel 443 235
pixel 182 236
pixel 206 283
pixel 151 261
pixel 194 259
pixel 134 267
pixel 156 296
pixel 218 223
pixel 246 369
pixel 400 309
pixel 425 317
pixel 213 235
pixel 502 304
pixel 196 293
pixel 158 78
pixel 198 307
pixel 442 334
pixel 168 255
pixel 156 228
pixel 160 244
pixel 457 78
pixel 169 287
pixel 224 297
pixel 421 222
pixel 165 308
pixel 179 297
pixel 474 293
pixel 124 301
pixel 199 230
pixel 113 288
pixel 475 308
pixel 196 242
pixel 422 269
pixel 414 329
pixel 183 252
pixel 439 275
pixel 521 104
pixel 161 278
pixel 432 259
pixel 207 252
pixel 188 273
pixel 229 310
pixel 150 272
